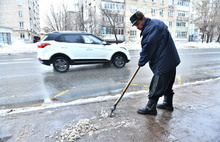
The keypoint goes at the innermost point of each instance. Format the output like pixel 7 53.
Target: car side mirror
pixel 104 43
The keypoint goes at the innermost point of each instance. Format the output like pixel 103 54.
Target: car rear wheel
pixel 61 64
pixel 119 60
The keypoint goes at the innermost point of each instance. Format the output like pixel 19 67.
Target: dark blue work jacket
pixel 158 47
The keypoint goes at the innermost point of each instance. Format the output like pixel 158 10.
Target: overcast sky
pixel 44 7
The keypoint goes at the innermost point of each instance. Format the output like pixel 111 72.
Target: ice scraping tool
pixel 123 92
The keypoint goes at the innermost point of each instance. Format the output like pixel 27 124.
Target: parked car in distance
pixel 63 49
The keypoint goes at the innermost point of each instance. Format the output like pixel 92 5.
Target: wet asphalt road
pixel 25 82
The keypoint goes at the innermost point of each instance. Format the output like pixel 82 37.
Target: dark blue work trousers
pixel 162 85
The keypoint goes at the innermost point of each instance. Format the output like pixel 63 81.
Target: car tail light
pixel 42 45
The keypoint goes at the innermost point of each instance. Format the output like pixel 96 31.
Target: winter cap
pixel 135 17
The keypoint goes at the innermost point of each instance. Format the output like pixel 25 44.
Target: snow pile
pixel 76 131
pixel 197 45
pixel 137 45
pixel 131 45
pixel 19 48
pixel 104 113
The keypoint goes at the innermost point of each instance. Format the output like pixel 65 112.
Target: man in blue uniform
pixel 159 50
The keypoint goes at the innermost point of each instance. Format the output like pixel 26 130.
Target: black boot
pixel 167 103
pixel 150 108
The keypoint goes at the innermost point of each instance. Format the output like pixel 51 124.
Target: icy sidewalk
pixel 195 118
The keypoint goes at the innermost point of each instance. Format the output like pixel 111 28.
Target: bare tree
pixel 218 30
pixel 56 19
pixel 111 18
pixel 215 19
pixel 208 18
pixel 60 19
pixel 93 22
pixel 218 22
pixel 74 21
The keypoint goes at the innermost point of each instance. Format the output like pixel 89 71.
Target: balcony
pixel 182 18
pixel 171 6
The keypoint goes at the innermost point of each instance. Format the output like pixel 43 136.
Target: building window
pixel 106 5
pixel 110 30
pixel 5 38
pixel 19 2
pixel 144 9
pixel 110 6
pixel 21 24
pixel 119 19
pixel 161 12
pixel 134 8
pixel 113 6
pixel 153 10
pixel 154 1
pixel 119 31
pixel 182 14
pixel 180 24
pixel 20 13
pixel 162 1
pixel 170 24
pixel 94 9
pixel 22 35
pixel 183 3
pixel 170 13
pixel 107 19
pixel 133 33
pixel 171 2
pixel 181 34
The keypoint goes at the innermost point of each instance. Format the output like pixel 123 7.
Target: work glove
pixel 140 65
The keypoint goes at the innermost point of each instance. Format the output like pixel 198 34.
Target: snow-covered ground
pixel 19 48
pixel 137 45
pixel 197 45
pixel 31 48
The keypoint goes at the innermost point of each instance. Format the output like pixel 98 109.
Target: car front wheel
pixel 61 64
pixel 119 60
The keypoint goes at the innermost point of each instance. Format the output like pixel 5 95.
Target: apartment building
pixel 92 16
pixel 105 18
pixel 22 16
pixel 182 19
pixel 75 15
pixel 194 31
pixel 176 14
pixel 163 10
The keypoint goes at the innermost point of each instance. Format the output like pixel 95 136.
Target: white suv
pixel 63 49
